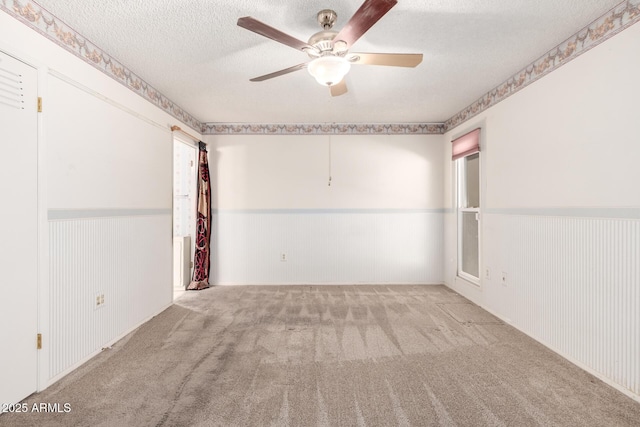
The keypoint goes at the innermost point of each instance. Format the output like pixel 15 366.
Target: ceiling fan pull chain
pixel 329 137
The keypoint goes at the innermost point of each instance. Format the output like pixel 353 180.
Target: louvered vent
pixel 11 89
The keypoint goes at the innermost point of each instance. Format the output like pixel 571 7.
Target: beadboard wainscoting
pixel 110 271
pixel 572 283
pixel 333 246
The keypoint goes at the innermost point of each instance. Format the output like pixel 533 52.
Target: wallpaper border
pixel 39 19
pixel 608 25
pixel 321 129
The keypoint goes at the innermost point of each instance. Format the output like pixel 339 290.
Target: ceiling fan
pixel 329 49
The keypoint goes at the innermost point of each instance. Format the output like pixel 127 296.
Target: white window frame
pixel 461 195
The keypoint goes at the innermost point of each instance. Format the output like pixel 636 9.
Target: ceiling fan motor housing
pixel 323 41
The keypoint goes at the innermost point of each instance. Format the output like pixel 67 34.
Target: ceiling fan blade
pixel 369 13
pixel 339 88
pixel 280 73
pixel 263 29
pixel 392 59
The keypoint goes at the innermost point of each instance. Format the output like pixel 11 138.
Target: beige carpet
pixel 329 356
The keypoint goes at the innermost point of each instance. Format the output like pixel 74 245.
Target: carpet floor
pixel 329 356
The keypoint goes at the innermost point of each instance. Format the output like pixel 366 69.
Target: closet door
pixel 18 230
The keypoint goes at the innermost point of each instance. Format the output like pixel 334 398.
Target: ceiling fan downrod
pixel 326 18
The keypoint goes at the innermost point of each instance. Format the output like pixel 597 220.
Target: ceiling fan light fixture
pixel 329 70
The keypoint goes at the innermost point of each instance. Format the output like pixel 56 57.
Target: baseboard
pixel 329 284
pixel 580 365
pixel 109 343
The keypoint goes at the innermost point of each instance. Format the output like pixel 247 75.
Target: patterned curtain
pixel 201 264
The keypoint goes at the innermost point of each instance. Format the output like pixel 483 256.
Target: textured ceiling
pixel 193 52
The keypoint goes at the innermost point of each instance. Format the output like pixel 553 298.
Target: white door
pixel 18 229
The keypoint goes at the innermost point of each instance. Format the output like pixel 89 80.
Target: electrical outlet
pixel 504 279
pixel 99 300
pixel 283 257
pixel 487 274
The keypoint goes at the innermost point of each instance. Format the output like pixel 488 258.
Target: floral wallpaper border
pixel 39 19
pixel 42 21
pixel 321 129
pixel 611 23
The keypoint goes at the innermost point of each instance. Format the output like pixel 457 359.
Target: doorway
pixel 184 212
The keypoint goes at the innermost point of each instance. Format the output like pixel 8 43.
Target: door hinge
pixel 191 163
pixel 39 341
pixel 39 104
pixel 191 264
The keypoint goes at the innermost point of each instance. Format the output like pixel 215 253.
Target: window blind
pixel 466 145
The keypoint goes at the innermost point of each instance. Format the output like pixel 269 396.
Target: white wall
pixel 105 162
pixel 562 210
pixel 100 156
pixel 380 221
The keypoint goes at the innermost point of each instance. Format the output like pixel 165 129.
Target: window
pixel 184 189
pixel 467 164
